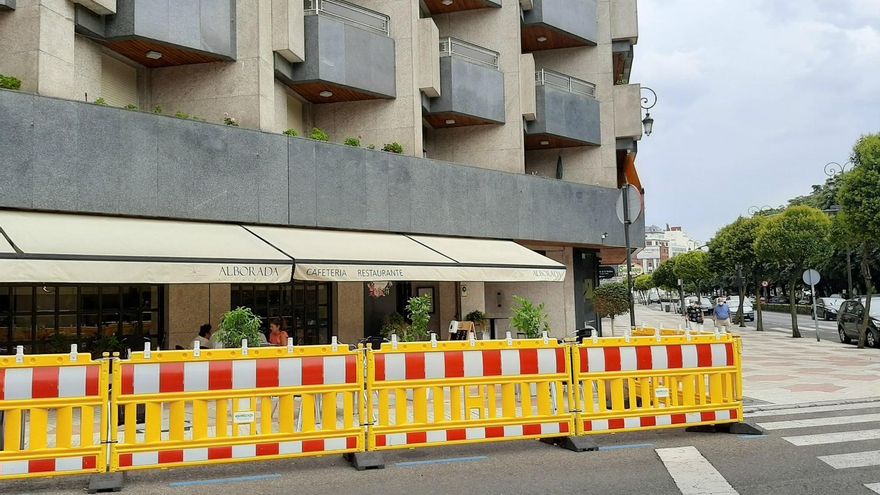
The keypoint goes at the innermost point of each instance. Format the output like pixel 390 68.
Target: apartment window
pixel 305 307
pixel 50 318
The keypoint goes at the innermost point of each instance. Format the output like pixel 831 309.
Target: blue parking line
pixel 752 437
pixel 628 446
pixel 451 460
pixel 221 481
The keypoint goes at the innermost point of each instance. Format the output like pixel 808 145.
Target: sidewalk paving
pixel 780 370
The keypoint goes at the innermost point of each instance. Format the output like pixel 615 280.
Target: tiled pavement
pixel 780 370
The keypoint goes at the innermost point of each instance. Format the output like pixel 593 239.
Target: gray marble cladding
pixel 72 156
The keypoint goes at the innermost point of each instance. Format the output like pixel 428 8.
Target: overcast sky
pixel 755 97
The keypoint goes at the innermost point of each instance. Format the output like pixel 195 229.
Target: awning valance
pixel 37 247
pixel 341 256
pixel 66 248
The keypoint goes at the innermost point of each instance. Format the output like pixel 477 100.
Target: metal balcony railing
pixel 565 82
pixel 350 14
pixel 453 47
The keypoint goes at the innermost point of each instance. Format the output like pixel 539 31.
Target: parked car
pixel 779 300
pixel 827 308
pixel 748 309
pixel 850 318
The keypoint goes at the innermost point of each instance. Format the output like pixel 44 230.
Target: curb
pixel 805 405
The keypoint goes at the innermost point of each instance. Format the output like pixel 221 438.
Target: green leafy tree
pixel 664 276
pixel 860 212
pixel 693 268
pixel 237 325
pixel 791 243
pixel 611 300
pixel 643 283
pixel 734 244
pixel 529 318
pixel 419 311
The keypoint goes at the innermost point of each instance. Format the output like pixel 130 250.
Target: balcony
pixel 471 87
pixel 552 24
pixel 349 55
pixel 628 112
pixel 7 5
pixel 622 60
pixel 161 34
pixel 567 113
pixel 436 7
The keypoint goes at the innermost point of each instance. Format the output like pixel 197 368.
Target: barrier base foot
pixel 733 428
pixel 103 483
pixel 366 460
pixel 582 443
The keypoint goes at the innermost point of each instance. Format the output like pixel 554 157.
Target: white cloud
pixel 755 97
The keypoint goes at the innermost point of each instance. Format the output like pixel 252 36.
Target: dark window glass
pixel 24 299
pixel 22 328
pixel 304 306
pixel 90 301
pixel 67 299
pixel 45 299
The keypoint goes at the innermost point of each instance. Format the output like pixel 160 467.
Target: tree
pixel 734 245
pixel 643 283
pixel 611 300
pixel 664 276
pixel 790 243
pixel 860 212
pixel 529 319
pixel 693 268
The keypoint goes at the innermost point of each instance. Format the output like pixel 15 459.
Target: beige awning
pixel 66 248
pixel 340 256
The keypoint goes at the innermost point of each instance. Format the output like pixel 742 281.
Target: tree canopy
pixel 664 276
pixel 693 268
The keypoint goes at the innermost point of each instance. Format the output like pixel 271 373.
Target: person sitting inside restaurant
pixel 277 335
pixel 204 338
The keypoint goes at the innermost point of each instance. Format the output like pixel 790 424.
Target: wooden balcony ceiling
pixel 554 38
pixel 311 91
pixel 439 120
pixel 437 6
pixel 136 49
pixel 533 142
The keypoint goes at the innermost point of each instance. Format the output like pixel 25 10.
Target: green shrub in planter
pixel 419 310
pixel 131 106
pixel 101 101
pixel 352 142
pixel 394 147
pixel 529 319
pixel 237 325
pixel 291 133
pixel 319 135
pixel 9 82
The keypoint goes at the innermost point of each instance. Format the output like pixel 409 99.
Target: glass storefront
pixel 305 307
pixel 48 318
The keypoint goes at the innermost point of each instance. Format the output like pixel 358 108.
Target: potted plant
pixel 419 310
pixel 529 319
pixel 237 325
pixel 611 300
pixel 477 317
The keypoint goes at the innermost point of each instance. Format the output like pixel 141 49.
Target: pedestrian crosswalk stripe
pixel 693 473
pixel 839 437
pixel 809 423
pixel 855 459
pixel 874 487
pixel 814 409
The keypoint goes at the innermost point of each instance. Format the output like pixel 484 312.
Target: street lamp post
pixel 832 170
pixel 742 295
pixel 647 104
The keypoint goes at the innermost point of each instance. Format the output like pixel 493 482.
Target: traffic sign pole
pixel 812 277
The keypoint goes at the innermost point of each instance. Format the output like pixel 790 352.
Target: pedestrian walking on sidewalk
pixel 695 316
pixel 721 314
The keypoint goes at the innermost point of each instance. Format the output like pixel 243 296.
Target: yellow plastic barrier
pixel 54 415
pixel 652 332
pixel 440 393
pixel 641 383
pixel 236 405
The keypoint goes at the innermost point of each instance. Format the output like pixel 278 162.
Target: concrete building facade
pixel 504 119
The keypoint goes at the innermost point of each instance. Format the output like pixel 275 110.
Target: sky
pixel 754 98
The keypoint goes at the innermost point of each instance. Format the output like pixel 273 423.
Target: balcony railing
pixel 565 82
pixel 350 14
pixel 453 47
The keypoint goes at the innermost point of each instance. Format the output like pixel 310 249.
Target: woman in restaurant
pixel 277 335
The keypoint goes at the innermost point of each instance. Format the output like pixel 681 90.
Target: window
pixel 304 306
pixel 47 319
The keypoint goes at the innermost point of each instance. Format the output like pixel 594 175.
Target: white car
pixel 748 310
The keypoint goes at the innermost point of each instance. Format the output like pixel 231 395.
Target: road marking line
pixel 874 487
pixel 451 460
pixel 826 438
pixel 753 437
pixel 855 459
pixel 813 409
pixel 628 446
pixel 220 481
pixel 693 473
pixel 808 423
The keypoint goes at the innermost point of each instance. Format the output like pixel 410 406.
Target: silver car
pixel 748 309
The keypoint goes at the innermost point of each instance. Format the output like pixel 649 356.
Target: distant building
pixel 662 244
